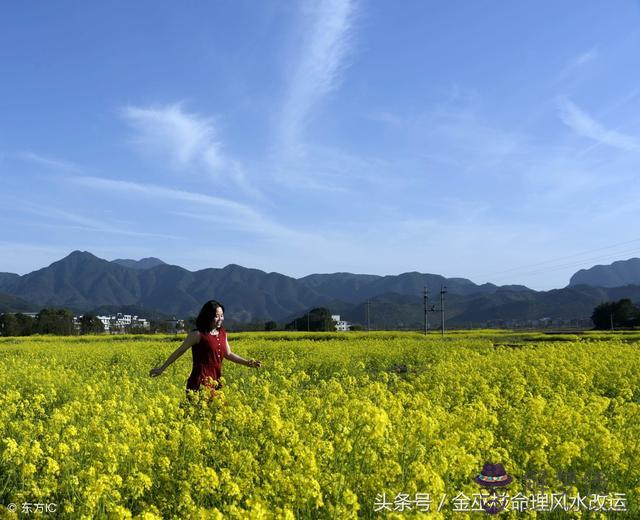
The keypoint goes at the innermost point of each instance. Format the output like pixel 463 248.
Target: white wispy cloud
pixel 318 69
pixel 152 191
pixel 231 212
pixel 184 137
pixel 570 73
pixel 258 226
pixel 48 162
pixel 81 222
pixel 189 141
pixel 387 117
pixel 585 125
pixel 586 57
pixel 464 142
pixel 460 149
pixel 335 170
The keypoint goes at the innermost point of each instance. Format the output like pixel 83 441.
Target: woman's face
pixel 218 319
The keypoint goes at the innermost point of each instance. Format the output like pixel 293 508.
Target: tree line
pixel 61 322
pixel 622 314
pixel 47 321
pixel 316 320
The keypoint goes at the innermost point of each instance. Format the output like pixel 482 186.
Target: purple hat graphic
pixel 493 475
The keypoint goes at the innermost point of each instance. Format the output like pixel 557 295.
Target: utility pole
pixel 368 310
pixel 442 293
pixel 611 316
pixel 433 308
pixel 426 310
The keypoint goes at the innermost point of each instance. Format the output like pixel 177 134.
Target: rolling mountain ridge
pixel 622 272
pixel 82 282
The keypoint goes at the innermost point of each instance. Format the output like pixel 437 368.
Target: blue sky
pixel 497 141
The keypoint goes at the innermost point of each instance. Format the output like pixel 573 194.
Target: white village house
pixel 340 324
pixel 120 322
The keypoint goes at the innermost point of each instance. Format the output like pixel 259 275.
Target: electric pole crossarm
pixel 443 291
pixel 426 310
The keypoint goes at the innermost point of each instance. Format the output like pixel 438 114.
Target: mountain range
pixel 622 272
pixel 83 282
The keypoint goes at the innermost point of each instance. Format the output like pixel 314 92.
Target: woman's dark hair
pixel 207 313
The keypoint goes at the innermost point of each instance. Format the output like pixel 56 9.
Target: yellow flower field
pixel 345 425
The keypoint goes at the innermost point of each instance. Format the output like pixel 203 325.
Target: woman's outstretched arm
pixel 189 341
pixel 231 356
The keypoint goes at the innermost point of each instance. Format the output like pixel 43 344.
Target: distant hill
pixel 83 283
pixel 394 310
pixel 8 280
pixel 617 274
pixel 79 281
pixel 355 288
pixel 9 303
pixel 145 263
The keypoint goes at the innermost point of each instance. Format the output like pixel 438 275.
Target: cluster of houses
pixel 119 322
pixel 115 323
pixel 122 322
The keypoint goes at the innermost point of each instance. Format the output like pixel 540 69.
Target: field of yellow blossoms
pixel 344 425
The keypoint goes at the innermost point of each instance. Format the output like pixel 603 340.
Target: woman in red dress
pixel 209 346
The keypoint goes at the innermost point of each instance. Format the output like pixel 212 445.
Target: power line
pixel 575 255
pixel 580 263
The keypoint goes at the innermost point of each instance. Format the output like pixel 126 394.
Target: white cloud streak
pixel 189 141
pixel 259 226
pixel 571 72
pixel 48 162
pixel 185 137
pixel 232 212
pixel 586 57
pixel 321 60
pixel 583 124
pixel 82 222
pixel 149 190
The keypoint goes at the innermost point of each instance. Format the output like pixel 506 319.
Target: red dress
pixel 207 360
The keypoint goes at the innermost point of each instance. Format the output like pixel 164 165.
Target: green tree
pixel 270 325
pixel 622 313
pixel 25 324
pixel 163 326
pixel 317 320
pixel 90 324
pixel 9 325
pixel 602 316
pixel 627 314
pixel 190 323
pixel 55 321
pixel 138 329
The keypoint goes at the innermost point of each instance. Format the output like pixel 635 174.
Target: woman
pixel 209 346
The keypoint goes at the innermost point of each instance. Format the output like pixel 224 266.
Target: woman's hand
pixel 255 363
pixel 154 372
